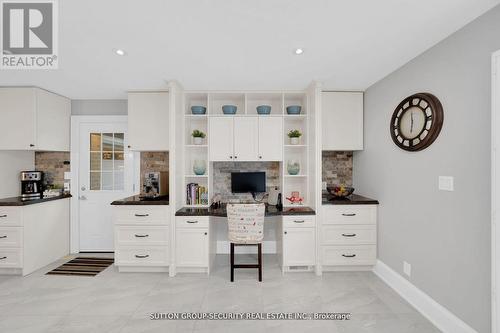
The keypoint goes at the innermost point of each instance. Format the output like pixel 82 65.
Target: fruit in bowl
pixel 340 191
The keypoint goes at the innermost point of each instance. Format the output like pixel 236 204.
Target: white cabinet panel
pixel 246 136
pixel 141 256
pixel 349 214
pixel 191 246
pixel 148 121
pixel 349 255
pixel 141 235
pixel 270 139
pixel 11 236
pixel 53 121
pixel 11 258
pixel 221 138
pixel 299 246
pixel 342 120
pixel 348 234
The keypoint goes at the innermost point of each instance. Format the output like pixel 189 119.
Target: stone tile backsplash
pixel 222 178
pixel 153 162
pixel 53 165
pixel 337 167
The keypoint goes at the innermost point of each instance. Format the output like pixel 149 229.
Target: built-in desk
pixel 221 212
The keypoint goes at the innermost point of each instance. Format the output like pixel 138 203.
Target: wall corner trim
pixel 441 317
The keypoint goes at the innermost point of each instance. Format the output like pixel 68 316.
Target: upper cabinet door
pixel 342 120
pixel 220 138
pixel 53 121
pixel 270 139
pixel 246 139
pixel 148 121
pixel 17 118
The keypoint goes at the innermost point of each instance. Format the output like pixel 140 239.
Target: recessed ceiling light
pixel 120 52
pixel 299 51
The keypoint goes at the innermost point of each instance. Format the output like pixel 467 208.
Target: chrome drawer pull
pixel 2 258
pixel 349 235
pixel 141 256
pixel 348 255
pixel 141 236
pixel 3 236
pixel 141 215
pixel 299 221
pixel 191 221
pixel 350 214
pixel 3 216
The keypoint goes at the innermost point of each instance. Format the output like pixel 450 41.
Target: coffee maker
pixel 155 185
pixel 31 185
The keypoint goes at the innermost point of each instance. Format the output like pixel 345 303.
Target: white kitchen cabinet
pixel 342 120
pixel 299 241
pixel 148 121
pixel 34 119
pixel 191 247
pixel 246 138
pixel 270 139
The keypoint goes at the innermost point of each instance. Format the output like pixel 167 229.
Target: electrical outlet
pixel 446 183
pixel 407 268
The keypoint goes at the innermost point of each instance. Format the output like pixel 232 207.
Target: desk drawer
pixel 298 221
pixel 349 255
pixel 10 216
pixel 350 214
pixel 141 256
pixel 141 235
pixel 11 258
pixel 348 234
pixel 191 221
pixel 141 215
pixel 11 237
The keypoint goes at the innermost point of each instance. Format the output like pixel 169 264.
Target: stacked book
pixel 196 194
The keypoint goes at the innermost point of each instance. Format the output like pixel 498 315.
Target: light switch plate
pixel 407 268
pixel 446 183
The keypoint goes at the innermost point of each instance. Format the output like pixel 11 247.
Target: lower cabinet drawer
pixel 349 214
pixel 139 235
pixel 10 216
pixel 191 221
pixel 146 215
pixel 11 258
pixel 349 255
pixel 348 234
pixel 298 221
pixel 11 237
pixel 141 256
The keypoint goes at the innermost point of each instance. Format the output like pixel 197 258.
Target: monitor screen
pixel 253 182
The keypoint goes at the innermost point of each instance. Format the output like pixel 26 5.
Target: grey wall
pixel 98 107
pixel 11 164
pixel 445 236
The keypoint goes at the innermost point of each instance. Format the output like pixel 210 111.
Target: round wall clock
pixel 416 122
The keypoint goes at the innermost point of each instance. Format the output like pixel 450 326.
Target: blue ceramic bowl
pixel 229 109
pixel 198 109
pixel 264 109
pixel 293 109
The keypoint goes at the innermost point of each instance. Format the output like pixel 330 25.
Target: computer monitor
pixel 244 182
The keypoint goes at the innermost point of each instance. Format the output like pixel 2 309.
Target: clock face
pixel 416 122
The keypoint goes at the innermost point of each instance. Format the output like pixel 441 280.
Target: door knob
pixel 83 188
pixel 82 197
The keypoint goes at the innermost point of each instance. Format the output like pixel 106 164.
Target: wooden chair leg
pixel 259 250
pixel 232 262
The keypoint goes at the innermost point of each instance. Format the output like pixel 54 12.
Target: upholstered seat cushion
pixel 246 223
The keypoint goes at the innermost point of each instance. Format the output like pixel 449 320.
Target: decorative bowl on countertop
pixel 293 109
pixel 340 191
pixel 264 109
pixel 229 109
pixel 198 109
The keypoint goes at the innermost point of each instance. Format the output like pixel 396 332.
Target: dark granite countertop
pixel 221 212
pixel 353 199
pixel 18 201
pixel 137 200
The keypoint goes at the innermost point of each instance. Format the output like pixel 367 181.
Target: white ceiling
pixel 240 44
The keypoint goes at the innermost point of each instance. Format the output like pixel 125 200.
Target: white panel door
pixel 148 121
pixel 299 246
pixel 53 121
pixel 342 120
pixel 246 139
pixel 270 139
pixel 191 247
pixel 106 174
pixel 220 138
pixel 17 118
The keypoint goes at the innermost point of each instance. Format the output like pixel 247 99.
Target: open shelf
pixel 298 98
pixel 217 100
pixel 194 98
pixel 275 100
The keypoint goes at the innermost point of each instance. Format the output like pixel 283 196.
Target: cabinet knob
pixel 235 157
pixel 260 157
pixel 3 236
pixel 3 216
pixel 128 146
pixel 2 258
pixel 348 255
pixel 206 233
pixel 32 145
pixel 142 256
pixel 230 157
pixel 285 232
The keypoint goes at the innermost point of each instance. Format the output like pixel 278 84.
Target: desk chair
pixel 246 228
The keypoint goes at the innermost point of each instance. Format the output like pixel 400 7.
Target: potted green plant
pixel 198 137
pixel 294 136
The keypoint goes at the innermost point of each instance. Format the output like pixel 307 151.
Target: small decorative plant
pixel 294 136
pixel 198 137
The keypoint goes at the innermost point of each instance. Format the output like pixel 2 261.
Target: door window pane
pixel 107 161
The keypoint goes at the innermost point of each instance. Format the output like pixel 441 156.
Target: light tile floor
pixel 122 302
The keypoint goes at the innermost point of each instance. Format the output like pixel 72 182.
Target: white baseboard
pixel 441 317
pixel 268 247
